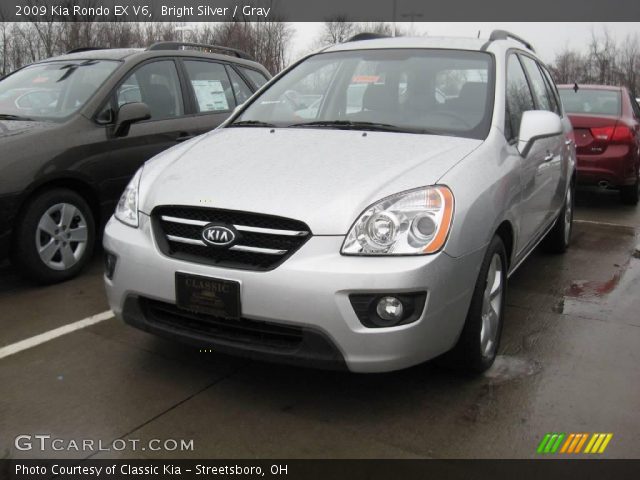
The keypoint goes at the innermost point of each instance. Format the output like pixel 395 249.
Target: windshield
pixel 593 101
pixel 445 92
pixel 50 91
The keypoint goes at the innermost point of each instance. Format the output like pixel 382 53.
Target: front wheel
pixel 478 344
pixel 55 236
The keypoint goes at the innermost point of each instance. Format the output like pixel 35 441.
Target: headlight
pixel 127 209
pixel 416 222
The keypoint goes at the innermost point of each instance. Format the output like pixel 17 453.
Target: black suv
pixel 75 128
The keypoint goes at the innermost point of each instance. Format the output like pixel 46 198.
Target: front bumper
pixel 310 291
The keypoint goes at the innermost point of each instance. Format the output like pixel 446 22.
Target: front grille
pixel 241 331
pixel 264 241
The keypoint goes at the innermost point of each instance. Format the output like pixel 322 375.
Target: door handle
pixel 549 156
pixel 183 136
pixel 568 142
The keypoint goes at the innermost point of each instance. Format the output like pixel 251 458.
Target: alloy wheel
pixel 492 307
pixel 61 236
pixel 568 216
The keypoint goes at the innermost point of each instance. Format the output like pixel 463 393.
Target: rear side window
pixel 594 101
pixel 538 84
pixel 211 86
pixel 519 99
pixel 240 88
pixel 157 85
pixel 553 91
pixel 256 77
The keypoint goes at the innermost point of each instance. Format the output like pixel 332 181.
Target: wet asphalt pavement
pixel 569 362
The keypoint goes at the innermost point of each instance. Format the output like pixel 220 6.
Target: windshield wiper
pixel 72 67
pixel 7 116
pixel 351 125
pixel 251 123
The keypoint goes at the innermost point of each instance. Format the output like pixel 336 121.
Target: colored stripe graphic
pixel 591 442
pixel 582 440
pixel 556 445
pixel 551 442
pixel 568 442
pixel 543 443
pixel 573 443
pixel 605 443
pixel 598 442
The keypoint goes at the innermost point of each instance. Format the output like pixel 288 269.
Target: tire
pixel 44 249
pixel 559 237
pixel 629 193
pixel 471 354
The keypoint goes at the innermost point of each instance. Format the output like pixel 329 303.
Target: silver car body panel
pixel 311 289
pixel 300 174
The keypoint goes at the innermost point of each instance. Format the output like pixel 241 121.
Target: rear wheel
pixel 629 193
pixel 478 344
pixel 55 236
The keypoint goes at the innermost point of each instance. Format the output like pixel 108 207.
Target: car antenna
pixel 478 34
pixel 576 87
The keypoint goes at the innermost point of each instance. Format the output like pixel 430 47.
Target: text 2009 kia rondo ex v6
pixel 364 210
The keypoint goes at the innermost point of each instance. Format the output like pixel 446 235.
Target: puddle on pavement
pixel 589 288
pixel 600 299
pixel 507 368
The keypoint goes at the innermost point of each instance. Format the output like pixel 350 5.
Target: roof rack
pixel 366 36
pixel 83 49
pixel 179 45
pixel 504 35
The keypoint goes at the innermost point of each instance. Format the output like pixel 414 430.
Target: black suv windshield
pixel 445 92
pixel 53 90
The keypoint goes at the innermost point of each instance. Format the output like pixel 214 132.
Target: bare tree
pixel 22 43
pixel 336 30
pixel 340 29
pixel 606 61
pixel 629 63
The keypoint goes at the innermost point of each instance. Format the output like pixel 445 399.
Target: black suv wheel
pixel 55 236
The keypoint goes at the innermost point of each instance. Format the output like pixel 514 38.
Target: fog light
pixel 110 261
pixel 384 310
pixel 390 309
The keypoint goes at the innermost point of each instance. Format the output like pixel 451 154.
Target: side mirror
pixel 130 113
pixel 535 125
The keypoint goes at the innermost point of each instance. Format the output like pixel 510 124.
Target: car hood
pixel 323 177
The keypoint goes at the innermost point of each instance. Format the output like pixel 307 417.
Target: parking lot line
pixel 606 224
pixel 55 333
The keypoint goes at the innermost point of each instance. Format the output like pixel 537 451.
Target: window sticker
pixel 210 95
pixel 365 79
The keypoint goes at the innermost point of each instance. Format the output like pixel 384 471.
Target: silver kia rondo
pixel 363 210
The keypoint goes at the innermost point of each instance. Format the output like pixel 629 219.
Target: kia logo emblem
pixel 218 235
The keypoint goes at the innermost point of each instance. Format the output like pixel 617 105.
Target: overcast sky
pixel 547 38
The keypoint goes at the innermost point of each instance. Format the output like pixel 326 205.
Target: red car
pixel 606 124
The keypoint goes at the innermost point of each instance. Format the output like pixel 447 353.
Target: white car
pixel 374 236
